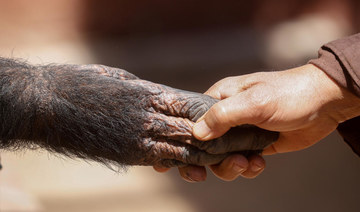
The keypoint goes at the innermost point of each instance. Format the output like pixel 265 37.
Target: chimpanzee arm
pixel 110 116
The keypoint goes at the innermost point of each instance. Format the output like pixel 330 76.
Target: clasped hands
pixel 144 123
pixel 303 104
pixel 110 116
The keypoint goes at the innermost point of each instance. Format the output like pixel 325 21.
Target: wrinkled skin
pixel 166 116
pixel 111 116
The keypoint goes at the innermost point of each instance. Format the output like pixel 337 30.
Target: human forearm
pixel 335 100
pixel 340 60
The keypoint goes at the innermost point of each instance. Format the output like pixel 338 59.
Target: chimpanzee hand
pixel 159 121
pixel 111 116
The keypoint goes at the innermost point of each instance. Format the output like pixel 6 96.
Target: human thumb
pixel 216 121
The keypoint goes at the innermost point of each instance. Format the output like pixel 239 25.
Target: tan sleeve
pixel 340 59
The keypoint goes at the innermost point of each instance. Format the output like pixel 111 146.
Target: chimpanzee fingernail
pixel 201 129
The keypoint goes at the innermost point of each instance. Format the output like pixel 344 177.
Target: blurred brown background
pixel 188 45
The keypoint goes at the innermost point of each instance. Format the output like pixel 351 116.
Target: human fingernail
pixel 237 168
pixel 193 178
pixel 256 167
pixel 201 129
pixel 189 179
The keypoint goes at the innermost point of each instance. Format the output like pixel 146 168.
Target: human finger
pixel 169 127
pixel 246 139
pixel 256 167
pixel 300 139
pixel 226 87
pixel 169 153
pixel 193 173
pixel 160 169
pixel 230 168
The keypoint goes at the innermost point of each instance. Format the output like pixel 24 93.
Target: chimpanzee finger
pixel 194 105
pixel 246 139
pixel 169 127
pixel 180 103
pixel 168 153
pixel 169 163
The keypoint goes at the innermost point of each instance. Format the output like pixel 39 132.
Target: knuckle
pixel 258 101
pixel 227 80
pixel 221 82
pixel 213 146
pixel 202 158
pixel 219 85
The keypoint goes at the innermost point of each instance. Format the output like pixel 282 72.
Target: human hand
pixel 303 104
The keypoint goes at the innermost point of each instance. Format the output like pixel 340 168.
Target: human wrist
pixel 336 101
